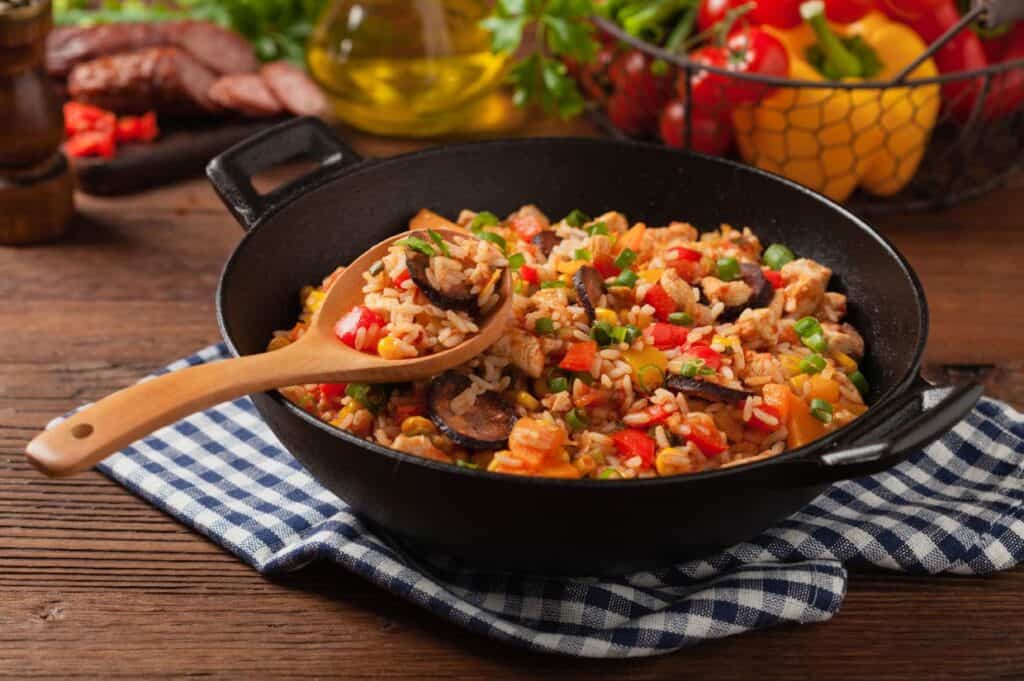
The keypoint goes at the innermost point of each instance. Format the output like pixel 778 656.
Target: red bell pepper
pixel 360 317
pixel 774 278
pixel 665 336
pixel 847 11
pixel 631 442
pixel 579 357
pixel 1007 90
pixel 330 391
pixel 712 359
pixel 529 275
pixel 403 277
pixel 80 117
pixel 658 298
pixel 756 423
pixel 605 266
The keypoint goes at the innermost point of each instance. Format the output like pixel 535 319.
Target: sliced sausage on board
pixel 247 94
pixel 163 79
pixel 294 89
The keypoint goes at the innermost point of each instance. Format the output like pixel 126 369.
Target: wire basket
pixel 974 145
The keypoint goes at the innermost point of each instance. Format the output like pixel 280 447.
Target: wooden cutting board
pixel 180 152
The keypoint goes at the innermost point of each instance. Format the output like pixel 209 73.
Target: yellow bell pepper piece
pixel 836 140
pixel 651 276
pixel 606 315
pixel 844 361
pixel 650 355
pixel 569 267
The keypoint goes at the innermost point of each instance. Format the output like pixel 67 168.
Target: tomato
pixel 664 336
pixel 579 357
pixel 91 143
pixel 710 135
pixel 642 88
pixel 707 89
pixel 708 439
pixel 631 442
pixel 752 50
pixel 529 275
pixel 360 317
pixel 756 423
pixel 330 391
pixel 661 301
pixel 777 13
pixel 774 278
pixel 710 12
pixel 701 351
pixel 137 128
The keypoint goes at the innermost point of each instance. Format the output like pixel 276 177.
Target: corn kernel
pixel 672 461
pixel 348 409
pixel 527 401
pixel 603 314
pixel 417 425
pixel 845 361
pixel 387 347
pixel 314 299
pixel 651 276
pixel 570 267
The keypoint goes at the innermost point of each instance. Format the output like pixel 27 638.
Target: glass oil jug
pixel 404 67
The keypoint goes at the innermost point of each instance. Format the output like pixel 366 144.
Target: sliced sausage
pixel 458 297
pixel 245 93
pixel 589 287
pixel 486 424
pixel 219 49
pixel 164 79
pixel 545 241
pixel 704 390
pixel 294 89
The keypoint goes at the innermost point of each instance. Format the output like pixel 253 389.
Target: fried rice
pixel 633 352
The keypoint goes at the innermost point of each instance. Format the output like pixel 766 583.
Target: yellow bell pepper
pixel 835 140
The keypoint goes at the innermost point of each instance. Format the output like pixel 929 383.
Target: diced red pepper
pixel 658 298
pixel 664 336
pixel 708 439
pixel 655 415
pixel 526 224
pixel 330 391
pixel 80 117
pixel 137 128
pixel 702 351
pixel 360 317
pixel 631 442
pixel 774 278
pixel 401 278
pixel 407 409
pixel 580 356
pixel 756 423
pixel 529 275
pixel 683 253
pixel 605 266
pixel 91 143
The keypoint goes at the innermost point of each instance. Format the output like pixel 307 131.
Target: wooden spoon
pixel 114 422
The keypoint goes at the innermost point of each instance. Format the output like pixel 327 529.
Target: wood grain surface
pixel 96 584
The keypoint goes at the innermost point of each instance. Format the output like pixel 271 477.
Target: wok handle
pixel 924 428
pixel 231 172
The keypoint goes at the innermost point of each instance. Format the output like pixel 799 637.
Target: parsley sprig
pixel 561 30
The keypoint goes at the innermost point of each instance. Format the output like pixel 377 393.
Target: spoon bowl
pixel 87 437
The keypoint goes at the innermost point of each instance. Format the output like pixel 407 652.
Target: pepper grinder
pixel 36 200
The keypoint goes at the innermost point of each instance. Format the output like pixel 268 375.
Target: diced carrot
pixel 580 356
pixel 633 238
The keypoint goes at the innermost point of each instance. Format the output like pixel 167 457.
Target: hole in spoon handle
pixel 82 431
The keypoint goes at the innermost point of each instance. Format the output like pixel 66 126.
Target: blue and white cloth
pixel 956 507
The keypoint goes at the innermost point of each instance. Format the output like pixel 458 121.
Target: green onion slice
pixel 821 410
pixel 777 255
pixel 414 243
pixel 625 259
pixel 439 240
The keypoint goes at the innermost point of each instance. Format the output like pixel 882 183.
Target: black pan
pixel 299 232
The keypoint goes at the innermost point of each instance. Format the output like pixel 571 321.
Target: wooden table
pixel 94 583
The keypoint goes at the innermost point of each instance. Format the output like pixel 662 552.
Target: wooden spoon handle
pixel 116 421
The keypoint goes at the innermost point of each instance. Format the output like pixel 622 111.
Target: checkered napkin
pixel 956 507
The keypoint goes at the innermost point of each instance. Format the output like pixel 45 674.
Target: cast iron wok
pixel 299 232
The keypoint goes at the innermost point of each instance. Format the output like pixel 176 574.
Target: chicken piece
pixel 420 445
pixel 731 293
pixel 805 282
pixel 758 328
pixel 616 222
pixel 758 364
pixel 843 338
pixel 683 230
pixel 679 290
pixel 832 308
pixel 526 353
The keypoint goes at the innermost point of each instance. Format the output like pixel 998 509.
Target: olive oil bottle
pixel 404 67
